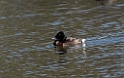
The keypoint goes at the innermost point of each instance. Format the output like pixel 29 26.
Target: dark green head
pixel 60 36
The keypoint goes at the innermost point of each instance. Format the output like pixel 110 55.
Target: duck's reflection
pixel 62 52
pixel 70 58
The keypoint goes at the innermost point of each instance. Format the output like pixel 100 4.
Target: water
pixel 26 29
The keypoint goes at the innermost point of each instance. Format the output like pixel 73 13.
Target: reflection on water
pixel 62 51
pixel 26 29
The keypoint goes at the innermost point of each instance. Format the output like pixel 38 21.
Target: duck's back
pixel 72 41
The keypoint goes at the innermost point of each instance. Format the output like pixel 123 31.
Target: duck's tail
pixel 83 40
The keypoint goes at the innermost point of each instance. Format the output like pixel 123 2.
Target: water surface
pixel 27 26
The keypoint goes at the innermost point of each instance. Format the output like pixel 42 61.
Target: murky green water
pixel 27 26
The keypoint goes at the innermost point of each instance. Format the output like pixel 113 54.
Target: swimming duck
pixel 61 40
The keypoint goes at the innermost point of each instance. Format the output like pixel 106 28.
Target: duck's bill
pixel 53 38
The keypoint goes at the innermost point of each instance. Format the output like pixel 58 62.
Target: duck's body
pixel 61 40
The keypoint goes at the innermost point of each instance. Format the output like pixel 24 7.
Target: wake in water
pixel 104 40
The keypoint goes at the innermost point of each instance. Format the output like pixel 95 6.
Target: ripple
pixel 2 18
pixel 14 35
pixel 27 28
pixel 104 40
pixel 120 5
pixel 43 75
pixel 29 72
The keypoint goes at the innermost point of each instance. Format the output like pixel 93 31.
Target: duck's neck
pixel 64 39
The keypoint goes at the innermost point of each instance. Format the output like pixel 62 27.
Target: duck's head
pixel 60 36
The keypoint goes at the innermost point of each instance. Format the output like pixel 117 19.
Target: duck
pixel 60 39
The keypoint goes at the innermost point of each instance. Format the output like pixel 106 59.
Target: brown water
pixel 27 26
